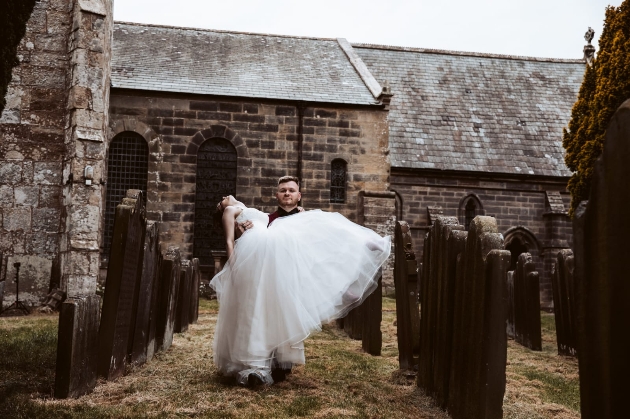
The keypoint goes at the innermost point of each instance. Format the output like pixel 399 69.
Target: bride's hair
pixel 217 218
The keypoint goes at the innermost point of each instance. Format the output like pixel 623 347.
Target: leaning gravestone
pixel 140 336
pixel 170 271
pixel 182 310
pixel 194 294
pixel 407 311
pixel 563 285
pixel 77 346
pixel 602 253
pixel 527 303
pixel 118 318
pixel 372 338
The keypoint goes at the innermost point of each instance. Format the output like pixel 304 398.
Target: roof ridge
pixel 359 66
pixel 188 28
pixel 468 53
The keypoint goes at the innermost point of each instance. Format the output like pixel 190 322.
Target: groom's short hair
pixel 285 179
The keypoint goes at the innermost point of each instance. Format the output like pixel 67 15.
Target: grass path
pixel 338 381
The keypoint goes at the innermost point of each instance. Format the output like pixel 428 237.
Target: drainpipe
pixel 300 134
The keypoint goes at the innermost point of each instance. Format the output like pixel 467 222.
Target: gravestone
pixel 407 310
pixel 194 295
pixel 372 337
pixel 527 303
pixel 563 285
pixel 602 254
pixel 436 299
pixel 479 354
pixel 121 291
pixel 152 346
pixel 182 310
pixel 170 271
pixel 77 346
pixel 510 290
pixel 140 336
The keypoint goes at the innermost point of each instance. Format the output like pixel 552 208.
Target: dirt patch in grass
pixel 338 381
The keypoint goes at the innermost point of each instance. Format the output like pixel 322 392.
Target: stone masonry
pixel 266 140
pixel 56 108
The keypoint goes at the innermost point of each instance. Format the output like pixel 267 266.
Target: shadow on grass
pixel 28 350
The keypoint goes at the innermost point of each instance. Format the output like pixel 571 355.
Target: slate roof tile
pixel 151 57
pixel 478 112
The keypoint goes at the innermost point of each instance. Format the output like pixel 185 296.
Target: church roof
pixel 169 59
pixel 476 112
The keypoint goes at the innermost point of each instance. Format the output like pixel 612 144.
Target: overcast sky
pixel 539 28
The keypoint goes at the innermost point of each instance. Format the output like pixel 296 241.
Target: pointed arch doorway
pixel 216 178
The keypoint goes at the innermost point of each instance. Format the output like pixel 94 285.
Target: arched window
pixel 338 174
pixel 469 207
pixel 216 178
pixel 520 240
pixel 470 212
pixel 127 167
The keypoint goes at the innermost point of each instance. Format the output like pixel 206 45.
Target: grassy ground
pixel 338 381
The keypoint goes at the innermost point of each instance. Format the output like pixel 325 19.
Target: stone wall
pixel 32 142
pixel 51 128
pixel 265 135
pixel 521 207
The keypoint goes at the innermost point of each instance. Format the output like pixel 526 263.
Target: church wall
pixel 32 151
pixel 513 202
pixel 265 135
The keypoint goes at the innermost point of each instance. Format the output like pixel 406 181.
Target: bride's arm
pixel 229 215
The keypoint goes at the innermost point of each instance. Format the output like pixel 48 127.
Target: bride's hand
pixel 300 209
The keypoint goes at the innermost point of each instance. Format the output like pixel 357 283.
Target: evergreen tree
pixel 605 87
pixel 13 17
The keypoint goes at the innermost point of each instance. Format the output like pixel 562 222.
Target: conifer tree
pixel 605 87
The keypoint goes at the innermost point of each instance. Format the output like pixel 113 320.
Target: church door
pixel 216 178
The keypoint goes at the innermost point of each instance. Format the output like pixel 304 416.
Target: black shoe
pixel 254 380
pixel 280 374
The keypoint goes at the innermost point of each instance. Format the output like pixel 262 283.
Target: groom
pixel 288 196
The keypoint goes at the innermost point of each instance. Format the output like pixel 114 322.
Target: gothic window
pixel 469 207
pixel 338 174
pixel 216 178
pixel 471 212
pixel 127 167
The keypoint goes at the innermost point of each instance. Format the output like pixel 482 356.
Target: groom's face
pixel 288 195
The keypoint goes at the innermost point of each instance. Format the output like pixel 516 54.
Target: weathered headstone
pixel 353 323
pixel 563 286
pixel 152 345
pixel 182 308
pixel 436 301
pixel 479 355
pixel 167 298
pixel 602 277
pixel 527 303
pixel 510 291
pixel 77 346
pixel 139 338
pixel 118 318
pixel 407 311
pixel 372 337
pixel 194 295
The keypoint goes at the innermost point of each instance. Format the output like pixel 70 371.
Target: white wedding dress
pixel 282 282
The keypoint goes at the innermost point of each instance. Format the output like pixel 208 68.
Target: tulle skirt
pixel 283 282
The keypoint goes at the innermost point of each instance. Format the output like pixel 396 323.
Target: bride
pixel 281 283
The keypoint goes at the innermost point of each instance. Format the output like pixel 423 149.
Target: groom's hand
pixel 246 225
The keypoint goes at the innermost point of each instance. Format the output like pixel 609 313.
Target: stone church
pixel 377 133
